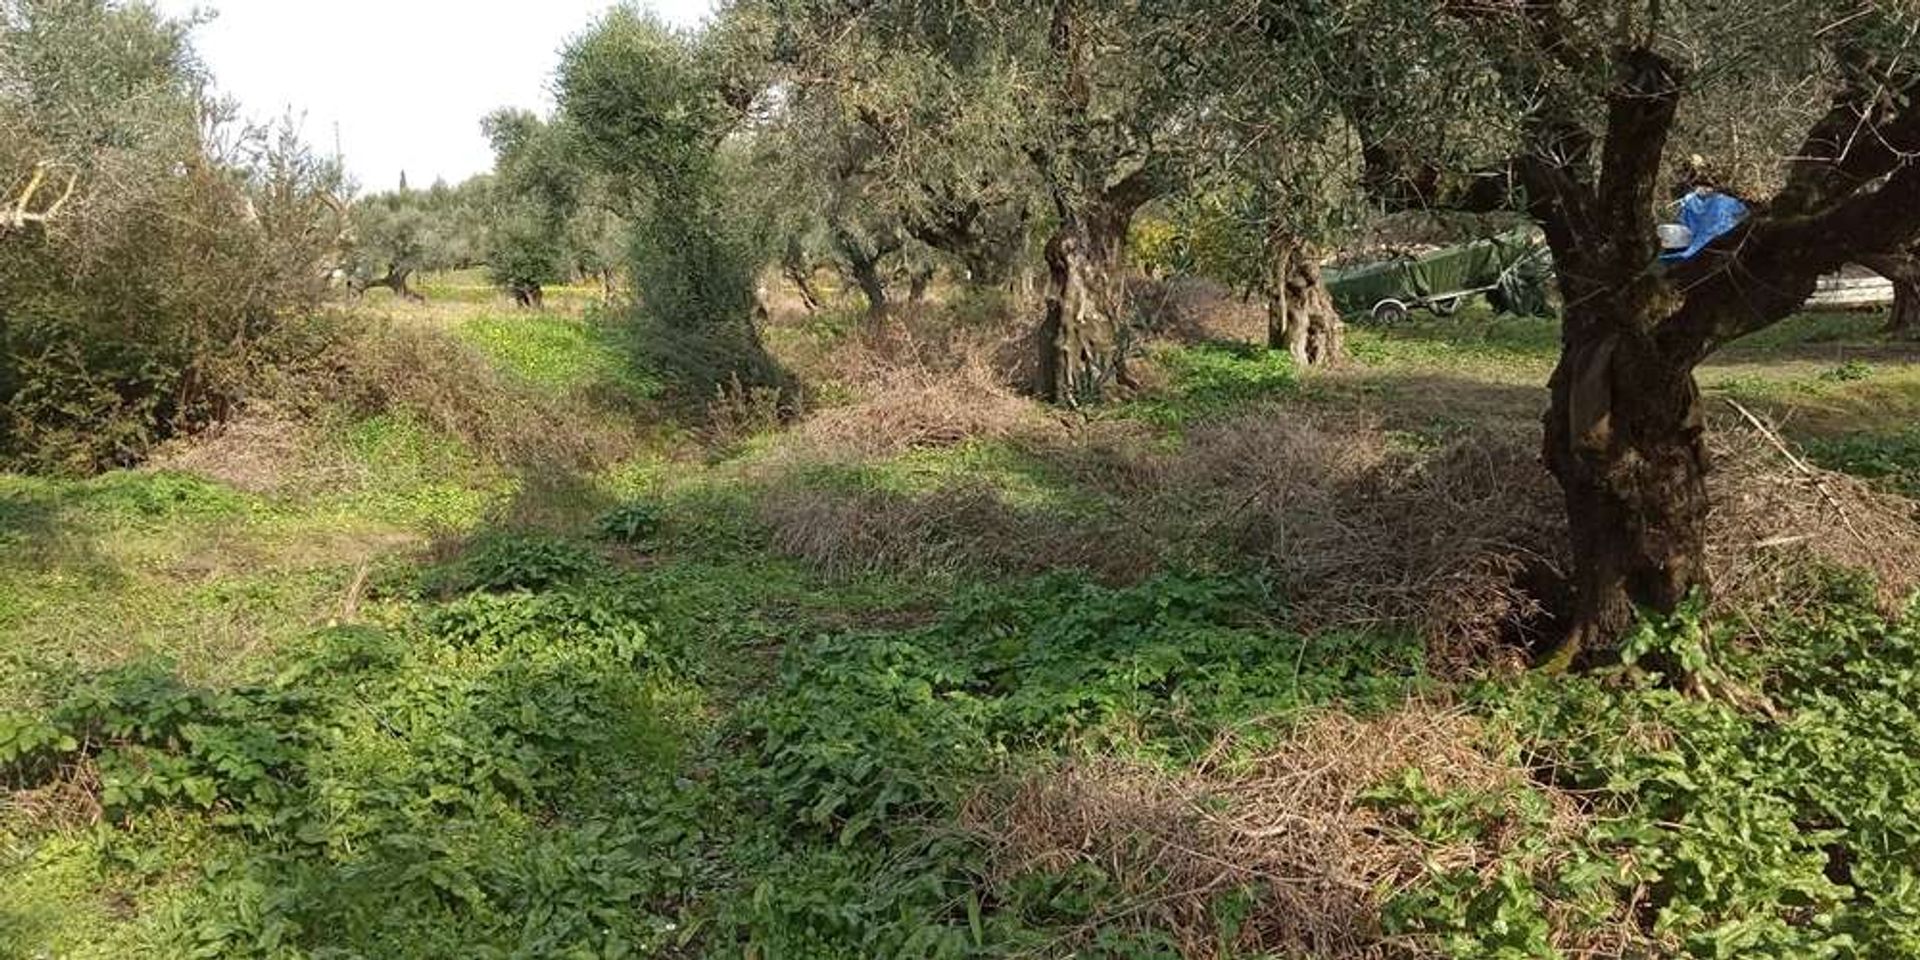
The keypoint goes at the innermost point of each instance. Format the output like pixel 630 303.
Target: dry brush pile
pixel 1462 542
pixel 1294 826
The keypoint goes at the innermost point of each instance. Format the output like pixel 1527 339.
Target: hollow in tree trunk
pixel 1301 318
pixel 1082 338
pixel 1903 271
pixel 1625 440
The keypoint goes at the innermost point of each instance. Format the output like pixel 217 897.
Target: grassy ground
pixel 409 699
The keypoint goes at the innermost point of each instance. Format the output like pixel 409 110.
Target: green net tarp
pixel 1513 263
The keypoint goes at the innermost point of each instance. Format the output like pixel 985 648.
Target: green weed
pixel 1213 380
pixel 1738 833
pixel 1894 458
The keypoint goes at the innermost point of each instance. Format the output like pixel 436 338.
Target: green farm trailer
pixel 1514 270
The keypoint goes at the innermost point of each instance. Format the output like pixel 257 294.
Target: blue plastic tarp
pixel 1710 216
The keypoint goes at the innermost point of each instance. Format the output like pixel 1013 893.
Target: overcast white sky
pixel 407 80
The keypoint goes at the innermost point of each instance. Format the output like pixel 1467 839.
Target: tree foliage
pixel 653 109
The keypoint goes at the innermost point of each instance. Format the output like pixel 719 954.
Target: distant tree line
pixel 537 219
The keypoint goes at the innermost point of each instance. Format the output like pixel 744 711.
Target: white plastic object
pixel 1675 236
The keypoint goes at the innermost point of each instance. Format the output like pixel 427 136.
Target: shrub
pixel 183 268
pixel 1765 820
pixel 487 779
pixel 516 562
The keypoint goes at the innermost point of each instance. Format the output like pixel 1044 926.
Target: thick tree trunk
pixel 1301 318
pixel 873 286
pixel 863 258
pixel 397 280
pixel 1903 271
pixel 1082 338
pixel 1624 438
pixel 1904 322
pixel 528 295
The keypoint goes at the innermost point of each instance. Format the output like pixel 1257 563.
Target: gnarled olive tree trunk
pixel 1096 188
pixel 1301 318
pixel 873 286
pixel 1903 271
pixel 1625 439
pixel 863 255
pixel 1083 336
pixel 1624 429
pixel 397 279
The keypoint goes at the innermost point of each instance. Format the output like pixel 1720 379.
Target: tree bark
pixel 528 295
pixel 1083 336
pixel 1301 318
pixel 1625 440
pixel 1623 430
pixel 1904 322
pixel 866 275
pixel 863 262
pixel 397 280
pixel 1903 271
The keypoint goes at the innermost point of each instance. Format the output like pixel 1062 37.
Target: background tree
pixel 390 244
pixel 1098 99
pixel 536 193
pixel 906 156
pixel 653 109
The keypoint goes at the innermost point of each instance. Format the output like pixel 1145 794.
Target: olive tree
pixel 655 111
pixel 1105 104
pixel 536 192
pixel 390 244
pixel 1613 99
pixel 905 130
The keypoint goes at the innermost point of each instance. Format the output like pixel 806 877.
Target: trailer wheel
pixel 1447 307
pixel 1389 312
